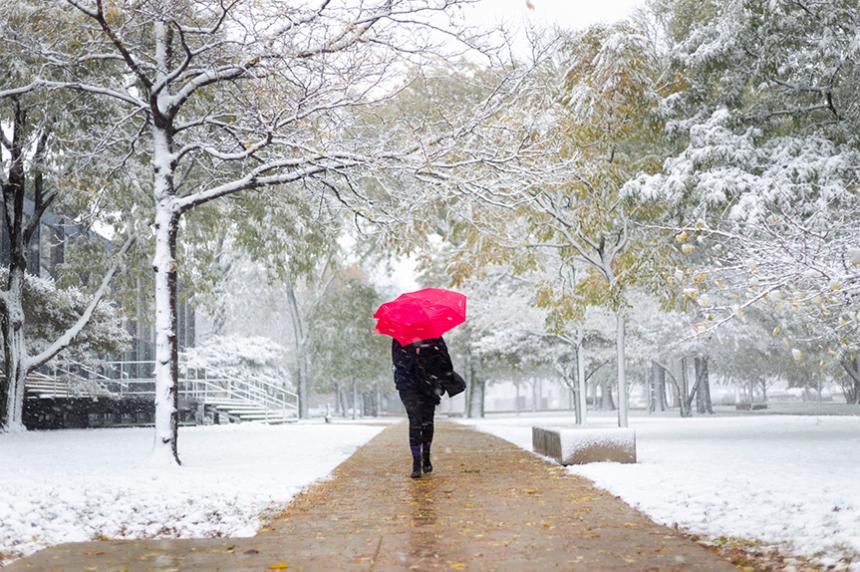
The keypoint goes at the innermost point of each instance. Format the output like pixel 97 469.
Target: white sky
pixel 572 14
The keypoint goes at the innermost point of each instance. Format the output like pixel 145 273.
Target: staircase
pixel 237 396
pixel 41 386
pixel 60 384
pixel 254 397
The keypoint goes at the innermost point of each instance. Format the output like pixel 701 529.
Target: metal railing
pixel 256 394
pixel 80 379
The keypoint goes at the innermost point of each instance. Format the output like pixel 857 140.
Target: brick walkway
pixel 488 506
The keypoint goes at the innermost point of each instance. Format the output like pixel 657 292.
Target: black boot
pixel 416 461
pixel 428 468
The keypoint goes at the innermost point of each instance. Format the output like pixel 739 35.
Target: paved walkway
pixel 488 506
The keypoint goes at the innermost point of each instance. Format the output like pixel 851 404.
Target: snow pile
pixel 788 481
pixel 76 485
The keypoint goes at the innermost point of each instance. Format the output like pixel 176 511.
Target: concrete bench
pixel 580 446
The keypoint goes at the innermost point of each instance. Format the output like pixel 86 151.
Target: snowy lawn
pixel 788 481
pixel 62 486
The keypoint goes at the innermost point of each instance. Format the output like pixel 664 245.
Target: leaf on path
pixel 458 566
pixel 278 566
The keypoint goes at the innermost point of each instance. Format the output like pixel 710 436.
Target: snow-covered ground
pixel 788 481
pixel 63 486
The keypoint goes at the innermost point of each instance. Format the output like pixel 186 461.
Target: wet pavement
pixel 487 506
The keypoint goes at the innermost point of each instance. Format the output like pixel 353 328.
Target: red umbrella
pixel 421 315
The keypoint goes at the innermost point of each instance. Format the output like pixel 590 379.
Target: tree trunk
pixel 684 388
pixel 300 343
pixel 851 389
pixel 475 404
pixel 14 342
pixel 35 256
pixel 581 395
pixel 354 398
pixel 607 403
pixel 166 341
pixel 703 383
pixel 336 398
pixel 469 378
pixel 342 399
pixel 620 342
pixel 15 355
pixel 377 396
pixel 304 397
pixel 657 383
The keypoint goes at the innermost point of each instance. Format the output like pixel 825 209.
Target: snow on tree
pixel 762 189
pixel 239 356
pixel 599 130
pixel 224 98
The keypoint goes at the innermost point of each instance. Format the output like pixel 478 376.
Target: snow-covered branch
pixel 66 339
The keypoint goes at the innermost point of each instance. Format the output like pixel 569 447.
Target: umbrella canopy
pixel 421 315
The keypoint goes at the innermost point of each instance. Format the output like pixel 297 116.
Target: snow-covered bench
pixel 579 446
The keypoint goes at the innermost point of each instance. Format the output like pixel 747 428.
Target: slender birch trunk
pixel 620 340
pixel 581 395
pixel 300 337
pixel 657 383
pixel 684 388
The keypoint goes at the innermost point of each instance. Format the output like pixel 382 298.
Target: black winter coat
pixel 423 367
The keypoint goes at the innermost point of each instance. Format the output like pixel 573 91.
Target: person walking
pixel 420 361
pixel 421 372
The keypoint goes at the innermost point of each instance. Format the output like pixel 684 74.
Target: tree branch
pixel 74 85
pixel 254 180
pixel 66 339
pixel 36 219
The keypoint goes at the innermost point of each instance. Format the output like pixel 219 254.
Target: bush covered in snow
pixel 238 356
pixel 50 311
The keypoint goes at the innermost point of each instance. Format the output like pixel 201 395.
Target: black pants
pixel 420 409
